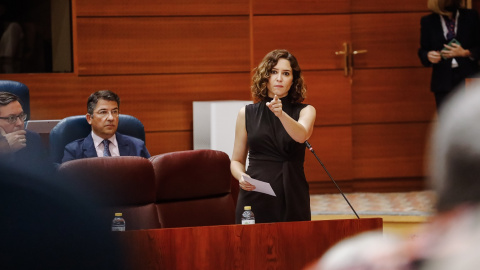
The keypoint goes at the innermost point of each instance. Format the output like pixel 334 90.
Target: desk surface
pixel 283 245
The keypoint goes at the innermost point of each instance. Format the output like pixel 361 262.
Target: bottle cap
pixel 118 214
pixel 247 208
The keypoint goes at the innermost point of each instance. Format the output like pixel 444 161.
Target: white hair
pixel 454 161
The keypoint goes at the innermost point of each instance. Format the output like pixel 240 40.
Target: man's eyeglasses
pixel 105 113
pixel 12 119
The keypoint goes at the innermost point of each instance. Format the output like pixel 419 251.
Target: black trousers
pixel 458 83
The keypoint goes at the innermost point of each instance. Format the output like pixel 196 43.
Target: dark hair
pixel 7 98
pixel 297 91
pixel 102 94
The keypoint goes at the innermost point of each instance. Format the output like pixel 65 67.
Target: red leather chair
pixel 193 188
pixel 118 184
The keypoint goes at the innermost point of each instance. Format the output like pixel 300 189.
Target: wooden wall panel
pixel 392 39
pixel 388 6
pixel 166 142
pixel 389 150
pixel 399 184
pixel 312 39
pixel 153 45
pixel 390 97
pixel 333 146
pixel 329 92
pixel 332 7
pixel 161 102
pixel 300 6
pixel 161 8
pixel 395 95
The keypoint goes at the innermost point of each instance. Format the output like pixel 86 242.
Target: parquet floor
pixel 402 212
pixel 418 203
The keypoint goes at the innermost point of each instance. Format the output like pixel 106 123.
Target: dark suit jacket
pixel 432 38
pixel 84 148
pixel 34 154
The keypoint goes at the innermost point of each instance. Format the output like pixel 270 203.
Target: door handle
pixel 348 54
pixel 346 58
pixel 359 51
pixel 351 60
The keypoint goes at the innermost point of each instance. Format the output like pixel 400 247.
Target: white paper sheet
pixel 260 186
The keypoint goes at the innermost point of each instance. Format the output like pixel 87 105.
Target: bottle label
pixel 118 229
pixel 249 221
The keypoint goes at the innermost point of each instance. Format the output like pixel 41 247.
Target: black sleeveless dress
pixel 274 157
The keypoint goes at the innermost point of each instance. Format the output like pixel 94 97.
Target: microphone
pixel 309 147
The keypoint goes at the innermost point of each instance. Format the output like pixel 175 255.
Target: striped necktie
pixel 106 150
pixel 450 23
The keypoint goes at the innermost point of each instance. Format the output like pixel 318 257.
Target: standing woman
pixel 272 133
pixel 451 63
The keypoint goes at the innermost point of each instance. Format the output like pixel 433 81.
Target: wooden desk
pixel 285 245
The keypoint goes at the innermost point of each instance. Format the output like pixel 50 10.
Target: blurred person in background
pixel 450 44
pixel 48 225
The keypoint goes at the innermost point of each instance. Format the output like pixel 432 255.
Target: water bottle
pixel 247 216
pixel 118 223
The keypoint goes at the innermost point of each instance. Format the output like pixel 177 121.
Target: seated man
pixel 104 140
pixel 17 145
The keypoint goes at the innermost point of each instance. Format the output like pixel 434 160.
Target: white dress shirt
pixel 113 146
pixel 445 31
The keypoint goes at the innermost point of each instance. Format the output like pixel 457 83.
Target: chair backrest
pixel 193 188
pixel 77 127
pixel 19 89
pixel 117 184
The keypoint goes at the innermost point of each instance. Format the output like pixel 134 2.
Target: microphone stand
pixel 309 147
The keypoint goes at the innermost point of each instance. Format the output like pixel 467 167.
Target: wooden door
pixel 371 126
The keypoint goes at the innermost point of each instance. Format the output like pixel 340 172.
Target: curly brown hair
pixel 297 91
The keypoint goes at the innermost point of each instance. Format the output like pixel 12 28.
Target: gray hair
pixel 454 154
